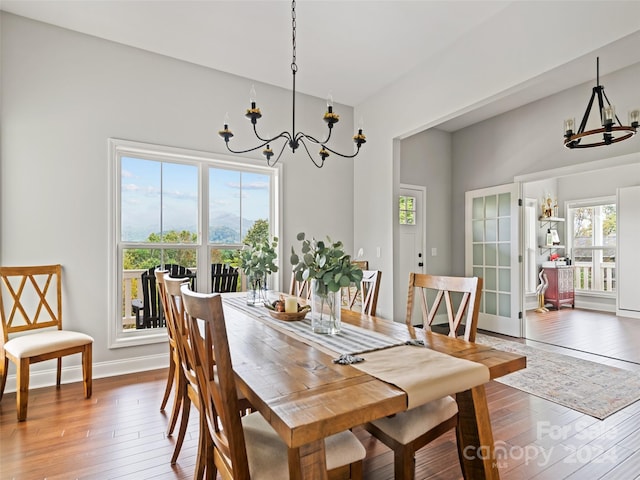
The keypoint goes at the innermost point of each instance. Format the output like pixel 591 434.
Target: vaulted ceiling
pixel 351 49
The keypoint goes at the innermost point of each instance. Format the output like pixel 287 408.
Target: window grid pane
pixel 407 210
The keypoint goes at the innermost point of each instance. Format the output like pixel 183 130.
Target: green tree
pixel 258 233
pixel 610 220
pixel 144 258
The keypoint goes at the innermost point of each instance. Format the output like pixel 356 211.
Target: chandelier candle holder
pixel 612 130
pixel 293 139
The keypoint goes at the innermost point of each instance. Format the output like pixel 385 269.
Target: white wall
pixel 503 59
pixel 64 94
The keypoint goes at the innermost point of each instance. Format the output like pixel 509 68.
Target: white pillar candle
pixel 291 304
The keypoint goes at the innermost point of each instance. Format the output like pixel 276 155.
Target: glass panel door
pixel 492 253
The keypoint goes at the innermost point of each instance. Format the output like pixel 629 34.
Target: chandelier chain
pixel 294 66
pixel 293 139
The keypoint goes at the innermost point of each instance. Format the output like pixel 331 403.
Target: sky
pixel 149 187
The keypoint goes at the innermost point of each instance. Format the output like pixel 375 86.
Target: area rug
pixel 588 387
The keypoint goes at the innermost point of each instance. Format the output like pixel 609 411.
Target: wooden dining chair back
pixel 244 447
pixel 409 431
pixel 187 392
pixel 31 304
pixel 224 278
pixel 300 288
pixel 187 383
pixel 369 288
pixel 461 308
pixel 173 374
pixel 218 397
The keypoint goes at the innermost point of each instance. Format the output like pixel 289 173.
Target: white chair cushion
pixel 33 344
pixel 407 426
pixel 267 453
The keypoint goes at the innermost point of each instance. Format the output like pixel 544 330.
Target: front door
pixel 492 218
pixel 412 234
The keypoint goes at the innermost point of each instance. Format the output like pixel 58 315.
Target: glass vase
pixel 325 309
pixel 256 291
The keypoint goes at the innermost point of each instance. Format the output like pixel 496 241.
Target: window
pixel 407 210
pixel 592 237
pixel 182 208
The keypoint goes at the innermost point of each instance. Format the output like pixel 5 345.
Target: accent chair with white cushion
pixel 31 311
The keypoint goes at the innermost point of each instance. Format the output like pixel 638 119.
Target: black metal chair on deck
pixel 149 312
pixel 224 278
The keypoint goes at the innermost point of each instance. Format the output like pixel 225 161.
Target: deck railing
pixel 602 279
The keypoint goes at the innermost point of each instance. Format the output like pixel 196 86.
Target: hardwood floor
pixel 599 333
pixel 120 433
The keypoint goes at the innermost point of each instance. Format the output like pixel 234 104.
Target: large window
pixel 592 236
pixel 184 211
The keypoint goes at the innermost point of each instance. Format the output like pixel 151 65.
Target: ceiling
pixel 349 48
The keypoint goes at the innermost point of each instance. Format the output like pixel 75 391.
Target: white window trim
pixel 117 148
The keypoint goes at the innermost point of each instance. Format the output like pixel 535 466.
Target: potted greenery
pixel 257 260
pixel 328 268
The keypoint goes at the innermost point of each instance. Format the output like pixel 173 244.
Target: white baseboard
pixel 599 306
pixel 628 313
pixel 47 378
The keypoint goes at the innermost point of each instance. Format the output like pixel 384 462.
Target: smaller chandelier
pixel 612 130
pixel 293 139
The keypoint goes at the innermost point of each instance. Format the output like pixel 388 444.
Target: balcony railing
pixel 132 289
pixel 601 279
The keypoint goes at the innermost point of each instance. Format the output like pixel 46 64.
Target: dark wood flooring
pixel 120 433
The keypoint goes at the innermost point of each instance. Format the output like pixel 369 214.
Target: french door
pixel 492 222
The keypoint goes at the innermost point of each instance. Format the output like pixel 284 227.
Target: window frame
pixel 588 202
pixel 118 148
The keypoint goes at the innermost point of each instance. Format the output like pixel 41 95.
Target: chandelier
pixel 609 132
pixel 293 139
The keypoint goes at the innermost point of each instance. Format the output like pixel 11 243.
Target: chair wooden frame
pixel 369 288
pixel 227 453
pixel 172 374
pixel 187 382
pixel 300 289
pixel 26 285
pixel 445 410
pixel 469 287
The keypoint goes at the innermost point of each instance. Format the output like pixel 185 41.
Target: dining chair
pixel 368 294
pixel 407 432
pixel 31 303
pixel 187 383
pixel 463 305
pixel 244 447
pixel 300 289
pixel 174 362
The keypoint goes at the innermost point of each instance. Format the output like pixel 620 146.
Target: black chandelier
pixel 293 139
pixel 609 132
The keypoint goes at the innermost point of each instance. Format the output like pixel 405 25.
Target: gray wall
pixel 64 94
pixel 426 161
pixel 528 140
pixel 523 141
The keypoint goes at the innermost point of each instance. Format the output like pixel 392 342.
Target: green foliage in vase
pixel 326 262
pixel 257 259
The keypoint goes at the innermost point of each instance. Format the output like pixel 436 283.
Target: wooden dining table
pixel 305 396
